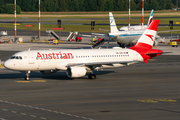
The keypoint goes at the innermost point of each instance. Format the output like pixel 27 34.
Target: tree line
pixel 6 6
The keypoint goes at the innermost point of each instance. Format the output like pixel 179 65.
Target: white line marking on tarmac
pixel 33 116
pixel 84 118
pixel 76 116
pixel 6 101
pixel 55 111
pixel 69 114
pixel 42 109
pixel 30 106
pixel 4 109
pixel 49 110
pixel 43 118
pixel 23 114
pixel 13 111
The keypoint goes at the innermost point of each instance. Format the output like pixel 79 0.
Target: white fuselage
pixel 41 60
pixel 130 36
pixel 137 27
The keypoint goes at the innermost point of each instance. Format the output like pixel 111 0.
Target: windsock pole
pixel 14 20
pixel 142 13
pixel 39 21
pixel 129 14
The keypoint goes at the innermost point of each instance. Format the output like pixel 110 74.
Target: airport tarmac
pixel 136 92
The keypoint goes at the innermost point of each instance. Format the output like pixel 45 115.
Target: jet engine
pixel 48 71
pixel 155 42
pixel 75 72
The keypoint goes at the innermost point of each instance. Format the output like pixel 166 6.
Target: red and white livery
pixel 79 62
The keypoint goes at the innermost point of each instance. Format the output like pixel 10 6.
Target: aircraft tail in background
pixel 113 26
pixel 150 18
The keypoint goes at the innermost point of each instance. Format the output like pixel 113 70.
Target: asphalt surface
pixel 136 92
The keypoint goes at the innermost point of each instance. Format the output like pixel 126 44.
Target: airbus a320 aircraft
pixel 78 63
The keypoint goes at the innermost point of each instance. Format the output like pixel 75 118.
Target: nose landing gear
pixel 27 75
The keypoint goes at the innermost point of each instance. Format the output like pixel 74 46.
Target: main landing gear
pixel 27 75
pixel 92 76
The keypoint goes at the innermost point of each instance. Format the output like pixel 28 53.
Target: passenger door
pixel 31 60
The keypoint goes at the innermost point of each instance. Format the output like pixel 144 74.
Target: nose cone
pixel 8 64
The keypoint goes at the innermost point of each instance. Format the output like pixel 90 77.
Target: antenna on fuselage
pixel 29 49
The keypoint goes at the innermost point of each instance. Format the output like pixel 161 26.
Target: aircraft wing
pixel 95 35
pixel 97 64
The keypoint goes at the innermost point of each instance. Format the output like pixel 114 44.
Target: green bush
pixel 9 9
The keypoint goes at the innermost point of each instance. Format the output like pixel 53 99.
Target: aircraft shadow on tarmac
pixel 55 76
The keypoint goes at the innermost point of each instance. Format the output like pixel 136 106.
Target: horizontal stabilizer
pixel 154 53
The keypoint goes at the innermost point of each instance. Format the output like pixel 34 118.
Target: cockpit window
pixel 13 57
pixel 16 57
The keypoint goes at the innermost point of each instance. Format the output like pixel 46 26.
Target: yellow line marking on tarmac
pixel 38 80
pixel 158 100
pixel 167 100
pixel 31 81
pixel 152 60
pixel 148 101
pixel 23 81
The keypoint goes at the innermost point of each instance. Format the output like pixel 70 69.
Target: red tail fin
pixel 146 41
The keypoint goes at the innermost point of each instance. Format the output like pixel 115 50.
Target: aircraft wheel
pixel 92 76
pixel 26 78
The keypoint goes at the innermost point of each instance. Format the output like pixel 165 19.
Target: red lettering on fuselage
pixel 38 55
pixel 50 56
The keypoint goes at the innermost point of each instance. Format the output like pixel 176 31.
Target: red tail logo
pixel 150 36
